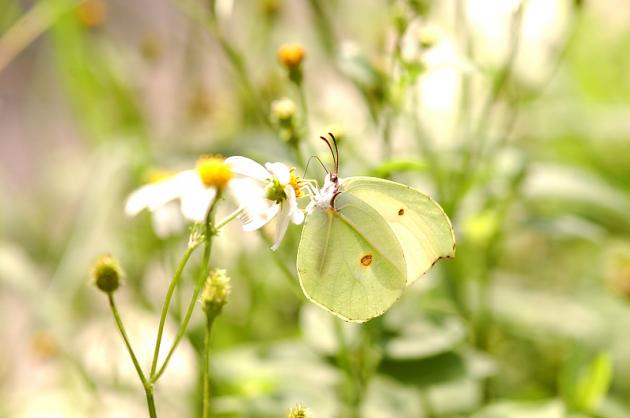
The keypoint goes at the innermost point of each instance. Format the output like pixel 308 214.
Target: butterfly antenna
pixel 331 152
pixel 309 162
pixel 336 151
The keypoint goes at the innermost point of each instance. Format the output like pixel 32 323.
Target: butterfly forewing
pixel 349 260
pixel 419 223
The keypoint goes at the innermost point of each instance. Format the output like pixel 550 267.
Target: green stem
pixel 303 106
pixel 324 27
pixel 167 302
pixel 206 366
pixel 148 388
pixel 209 233
pixel 229 218
pixel 429 154
pixel 345 361
pixel 150 401
pixel 293 281
pixel 235 58
pixel 30 26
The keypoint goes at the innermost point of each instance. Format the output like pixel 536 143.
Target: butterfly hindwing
pixel 419 223
pixel 350 261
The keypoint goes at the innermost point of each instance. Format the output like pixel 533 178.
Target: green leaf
pixel 586 383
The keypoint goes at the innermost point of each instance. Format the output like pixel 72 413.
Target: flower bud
pixel 283 110
pixel 283 115
pixel 92 13
pixel 291 55
pixel 215 292
pixel 298 412
pixel 106 274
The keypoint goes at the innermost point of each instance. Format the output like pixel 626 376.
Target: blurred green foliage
pixel 531 319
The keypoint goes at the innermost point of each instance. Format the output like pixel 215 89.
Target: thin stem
pixel 303 106
pixel 293 281
pixel 206 366
pixel 123 333
pixel 429 154
pixel 229 218
pixel 345 361
pixel 32 24
pixel 167 302
pixel 210 232
pixel 233 55
pixel 148 388
pixel 477 144
pixel 324 27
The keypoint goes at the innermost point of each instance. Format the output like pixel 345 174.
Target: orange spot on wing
pixel 366 260
pixel 401 212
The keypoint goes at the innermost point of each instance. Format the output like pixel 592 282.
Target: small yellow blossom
pixel 291 55
pixel 214 171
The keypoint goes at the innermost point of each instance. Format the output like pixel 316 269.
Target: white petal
pixel 154 195
pixel 296 215
pixel 283 224
pixel 256 216
pixel 140 199
pixel 246 167
pixel 195 203
pixel 279 171
pixel 167 220
pixel 245 190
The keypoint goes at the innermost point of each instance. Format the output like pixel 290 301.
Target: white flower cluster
pixel 262 193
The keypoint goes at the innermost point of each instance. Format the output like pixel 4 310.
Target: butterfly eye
pixel 401 212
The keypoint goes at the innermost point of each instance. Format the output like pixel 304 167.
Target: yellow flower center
pixel 295 183
pixel 213 171
pixel 291 55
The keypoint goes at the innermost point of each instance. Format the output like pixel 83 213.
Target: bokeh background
pixel 514 115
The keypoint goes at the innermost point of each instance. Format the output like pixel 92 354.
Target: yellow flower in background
pixel 291 55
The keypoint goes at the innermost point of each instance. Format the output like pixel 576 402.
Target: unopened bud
pixel 291 55
pixel 215 292
pixel 283 110
pixel 106 274
pixel 298 412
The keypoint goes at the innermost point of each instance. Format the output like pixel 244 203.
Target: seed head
pixel 106 274
pixel 298 412
pixel 215 292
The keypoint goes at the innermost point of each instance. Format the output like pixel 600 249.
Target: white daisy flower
pixel 261 192
pixel 195 189
pixel 274 191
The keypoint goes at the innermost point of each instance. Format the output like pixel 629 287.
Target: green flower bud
pixel 283 110
pixel 298 412
pixel 215 292
pixel 106 274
